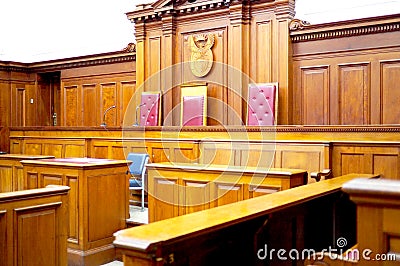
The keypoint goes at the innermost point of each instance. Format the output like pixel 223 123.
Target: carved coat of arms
pixel 201 58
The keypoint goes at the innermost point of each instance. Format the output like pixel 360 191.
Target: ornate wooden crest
pixel 201 57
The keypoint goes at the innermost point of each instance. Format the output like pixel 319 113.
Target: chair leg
pixel 142 200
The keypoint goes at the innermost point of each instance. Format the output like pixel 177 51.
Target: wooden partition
pixel 12 172
pixel 98 206
pixel 344 149
pixel 182 188
pixel 309 217
pixel 347 72
pixel 378 212
pixel 34 227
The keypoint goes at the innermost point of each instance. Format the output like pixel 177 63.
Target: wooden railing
pixel 378 225
pixel 34 227
pixel 248 232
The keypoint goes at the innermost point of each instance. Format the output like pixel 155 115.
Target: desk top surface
pixel 25 156
pixel 224 168
pixel 76 162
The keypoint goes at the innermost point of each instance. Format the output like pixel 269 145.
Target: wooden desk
pixel 99 202
pixel 177 189
pixel 11 171
pixel 34 226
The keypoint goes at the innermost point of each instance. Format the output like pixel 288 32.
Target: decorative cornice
pixel 11 68
pixel 155 11
pixel 302 31
pixel 125 55
pixel 85 63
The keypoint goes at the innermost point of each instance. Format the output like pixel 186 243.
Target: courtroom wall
pixel 67 92
pixel 346 73
pixel 250 44
pixel 87 92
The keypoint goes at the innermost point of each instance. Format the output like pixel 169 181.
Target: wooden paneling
pixel 34 227
pixel 390 72
pixel 354 94
pixel 165 200
pixel 88 103
pixel 12 173
pixel 263 50
pixel 315 96
pixel 378 159
pixel 94 217
pixel 354 77
pixel 196 196
pixel 70 107
pixel 60 148
pixel 127 91
pixel 108 97
pixel 20 118
pixel 182 188
pixel 308 156
pixel 228 193
pixel 154 63
pixel 251 42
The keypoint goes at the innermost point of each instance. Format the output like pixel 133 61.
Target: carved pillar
pixel 140 35
pixel 238 59
pixel 168 60
pixel 282 50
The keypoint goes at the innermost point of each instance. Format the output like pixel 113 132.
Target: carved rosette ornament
pixel 201 57
pixel 297 24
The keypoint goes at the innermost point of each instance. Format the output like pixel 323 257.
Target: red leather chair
pixel 262 104
pixel 194 105
pixel 150 109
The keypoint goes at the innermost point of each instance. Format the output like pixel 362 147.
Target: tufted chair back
pixel 262 104
pixel 150 109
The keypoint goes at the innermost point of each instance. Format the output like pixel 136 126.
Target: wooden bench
pixel 303 217
pixel 182 188
pixel 378 225
pixel 34 227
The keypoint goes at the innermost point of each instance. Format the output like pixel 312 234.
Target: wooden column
pixel 282 72
pixel 140 51
pixel 238 60
pixel 167 71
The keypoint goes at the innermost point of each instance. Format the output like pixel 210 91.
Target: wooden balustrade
pixel 246 232
pixel 378 227
pixel 182 188
pixel 350 149
pixel 34 227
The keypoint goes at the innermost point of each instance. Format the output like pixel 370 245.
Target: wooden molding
pixel 302 31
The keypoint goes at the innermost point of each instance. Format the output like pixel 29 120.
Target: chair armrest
pixel 317 175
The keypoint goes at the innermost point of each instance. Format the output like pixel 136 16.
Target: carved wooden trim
pixel 342 28
pixel 85 61
pixel 297 24
pixel 384 129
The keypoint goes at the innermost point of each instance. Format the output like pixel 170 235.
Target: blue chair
pixel 138 171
